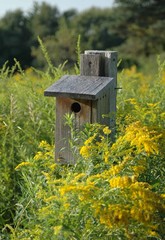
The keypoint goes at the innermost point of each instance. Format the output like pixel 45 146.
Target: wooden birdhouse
pixel 87 97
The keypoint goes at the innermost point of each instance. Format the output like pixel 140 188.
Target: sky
pixel 62 5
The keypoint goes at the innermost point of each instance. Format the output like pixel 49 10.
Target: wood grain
pixel 80 87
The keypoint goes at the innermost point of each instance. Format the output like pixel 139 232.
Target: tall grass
pixel 114 191
pixel 26 117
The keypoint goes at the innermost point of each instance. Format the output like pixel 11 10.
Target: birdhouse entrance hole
pixel 75 107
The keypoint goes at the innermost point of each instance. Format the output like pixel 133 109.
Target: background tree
pixel 43 21
pixel 96 29
pixel 61 46
pixel 15 38
pixel 134 28
pixel 142 25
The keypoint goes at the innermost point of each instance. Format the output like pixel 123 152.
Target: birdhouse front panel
pixel 81 110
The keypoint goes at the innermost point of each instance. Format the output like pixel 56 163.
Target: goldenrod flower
pixel 51 198
pixel 57 230
pixel 138 169
pixel 90 140
pixel 85 151
pixel 66 189
pixel 114 214
pixel 44 144
pixel 106 131
pixel 66 205
pixel 39 155
pixel 44 211
pixel 23 164
pixel 141 137
pixel 163 195
pixel 121 182
pixel 53 166
pixel 115 169
pixel 153 233
pixel 132 101
pixel 47 175
pixel 106 156
pixel 78 176
pixel 153 105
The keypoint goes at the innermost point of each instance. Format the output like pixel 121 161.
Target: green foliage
pixel 95 29
pixel 139 28
pixel 15 39
pixel 26 117
pixel 61 47
pixel 114 191
pixel 134 28
pixel 43 20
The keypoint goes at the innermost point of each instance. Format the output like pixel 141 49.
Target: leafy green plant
pixel 26 117
pixel 103 194
pixel 114 191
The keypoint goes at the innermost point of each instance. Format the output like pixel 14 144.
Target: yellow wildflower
pixel 57 229
pixel 115 169
pixel 114 214
pixel 56 181
pixel 153 105
pixel 150 147
pixel 39 155
pixel 138 169
pixel 53 166
pixel 136 214
pixel 79 176
pixel 121 182
pixel 132 101
pixel 84 190
pixel 44 211
pixel 140 185
pixel 163 195
pixel 106 156
pixel 51 198
pixel 90 140
pixel 47 175
pixel 66 205
pixel 85 151
pixel 153 233
pixel 141 137
pixel 23 164
pixel 44 144
pixel 106 131
pixel 66 189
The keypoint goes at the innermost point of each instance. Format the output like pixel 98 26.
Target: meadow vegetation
pixel 114 191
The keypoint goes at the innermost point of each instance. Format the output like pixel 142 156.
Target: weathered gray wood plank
pixel 81 87
pixel 90 65
pixel 108 68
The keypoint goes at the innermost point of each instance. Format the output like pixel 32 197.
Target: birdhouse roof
pixel 80 87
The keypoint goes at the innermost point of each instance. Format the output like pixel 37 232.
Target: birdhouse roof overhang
pixel 80 87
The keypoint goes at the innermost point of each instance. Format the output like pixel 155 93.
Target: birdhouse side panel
pixel 112 104
pixel 103 109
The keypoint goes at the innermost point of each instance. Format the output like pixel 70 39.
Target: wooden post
pixel 102 63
